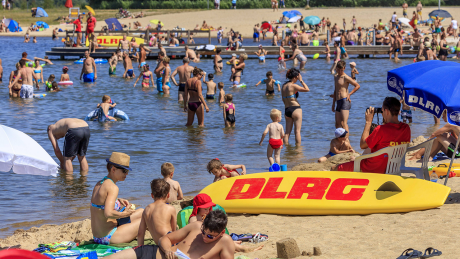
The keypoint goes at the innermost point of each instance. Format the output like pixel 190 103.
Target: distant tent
pixel 45 25
pixel 68 4
pixel 109 22
pixel 6 21
pixel 41 12
pixel 14 26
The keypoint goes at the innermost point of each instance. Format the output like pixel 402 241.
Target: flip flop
pixel 410 253
pixel 430 252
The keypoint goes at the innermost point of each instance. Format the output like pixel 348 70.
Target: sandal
pixel 430 252
pixel 410 253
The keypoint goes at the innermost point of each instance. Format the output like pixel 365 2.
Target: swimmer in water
pixel 218 66
pixel 106 105
pixel 354 71
pixel 270 83
pixel 185 72
pixel 229 111
pixel 220 85
pixel 166 75
pixel 195 104
pixel 261 54
pixel 1 71
pixel 281 63
pixel 146 75
pixel 113 61
pixel 128 65
pixel 210 87
pixel 298 54
pixel 64 76
pixel 87 69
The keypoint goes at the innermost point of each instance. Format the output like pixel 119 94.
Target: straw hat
pixel 119 160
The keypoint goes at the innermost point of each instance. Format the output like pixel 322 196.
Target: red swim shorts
pixel 276 143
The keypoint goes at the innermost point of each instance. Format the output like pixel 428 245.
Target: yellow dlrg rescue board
pixel 325 193
pixel 112 41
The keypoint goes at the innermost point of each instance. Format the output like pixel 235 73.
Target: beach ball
pixel 316 56
pixel 63 40
pixel 452 50
pixel 458 48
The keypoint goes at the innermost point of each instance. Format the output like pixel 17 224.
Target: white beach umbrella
pixel 294 19
pixel 22 153
pixel 405 21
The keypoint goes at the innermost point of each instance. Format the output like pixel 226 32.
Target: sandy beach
pixel 243 20
pixel 369 236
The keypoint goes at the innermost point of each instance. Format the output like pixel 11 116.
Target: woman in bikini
pixel 327 51
pixel 38 72
pixel 239 67
pixel 16 88
pixel 218 65
pixel 112 219
pixel 298 54
pixel 146 77
pixel 292 111
pixel 195 103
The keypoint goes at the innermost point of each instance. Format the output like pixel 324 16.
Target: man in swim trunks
pixel 315 37
pixel 208 239
pixel 113 61
pixel 190 54
pixel 90 25
pixel 166 75
pixel 303 39
pixel 124 43
pixel 404 7
pixel 342 96
pixel 351 37
pixel 87 69
pixel 416 39
pixel 157 71
pixel 184 72
pixel 76 136
pixel 128 65
pixel 26 75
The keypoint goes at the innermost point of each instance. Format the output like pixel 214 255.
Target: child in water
pixel 339 145
pixel 105 105
pixel 354 71
pixel 221 92
pixel 270 83
pixel 49 82
pixel 65 76
pixel 276 134
pixel 55 87
pixel 229 111
pixel 233 67
pixel 223 171
pixel 211 86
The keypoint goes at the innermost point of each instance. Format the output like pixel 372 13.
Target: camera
pixel 376 110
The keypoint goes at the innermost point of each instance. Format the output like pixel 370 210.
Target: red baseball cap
pixel 202 200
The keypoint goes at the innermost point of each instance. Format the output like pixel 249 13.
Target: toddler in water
pixel 158 217
pixel 221 171
pixel 276 134
pixel 64 76
pixel 233 68
pixel 354 71
pixel 340 144
pixel 106 105
pixel 175 192
pixel 49 82
pixel 211 86
pixel 229 111
pixel 270 83
pixel 221 92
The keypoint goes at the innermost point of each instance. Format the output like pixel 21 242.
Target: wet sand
pixel 371 236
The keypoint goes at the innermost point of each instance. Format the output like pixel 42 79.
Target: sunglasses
pixel 125 171
pixel 206 235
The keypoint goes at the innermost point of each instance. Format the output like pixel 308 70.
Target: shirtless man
pixel 396 46
pixel 113 61
pixel 190 54
pixel 303 39
pixel 419 11
pixel 128 65
pixel 184 72
pixel 158 70
pixel 26 75
pixel 124 43
pixel 166 75
pixel 404 7
pixel 315 37
pixel 143 55
pixel 173 42
pixel 416 39
pixel 204 240
pixel 342 96
pixel 351 37
pixel 87 69
pixel 76 136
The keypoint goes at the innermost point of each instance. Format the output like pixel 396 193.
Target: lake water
pixel 156 132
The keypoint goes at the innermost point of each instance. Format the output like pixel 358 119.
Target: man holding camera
pixel 391 133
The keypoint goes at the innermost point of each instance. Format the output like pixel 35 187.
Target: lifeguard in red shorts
pixel 90 25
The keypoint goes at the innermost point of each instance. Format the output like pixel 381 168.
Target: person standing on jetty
pixel 77 23
pixel 341 96
pixel 90 25
pixel 87 69
pixel 76 136
pixel 124 43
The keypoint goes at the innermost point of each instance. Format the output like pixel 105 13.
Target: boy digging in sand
pixel 175 192
pixel 339 145
pixel 105 105
pixel 276 134
pixel 158 217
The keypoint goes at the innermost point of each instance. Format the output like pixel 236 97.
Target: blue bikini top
pixel 117 203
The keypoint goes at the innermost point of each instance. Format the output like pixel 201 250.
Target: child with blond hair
pixel 276 134
pixel 175 192
pixel 106 105
pixel 223 171
pixel 221 92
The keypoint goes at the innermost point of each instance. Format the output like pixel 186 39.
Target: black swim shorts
pixel 76 142
pixel 181 87
pixel 343 104
pixel 146 252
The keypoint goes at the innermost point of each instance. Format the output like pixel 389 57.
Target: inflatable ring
pixel 65 83
pixel 228 62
